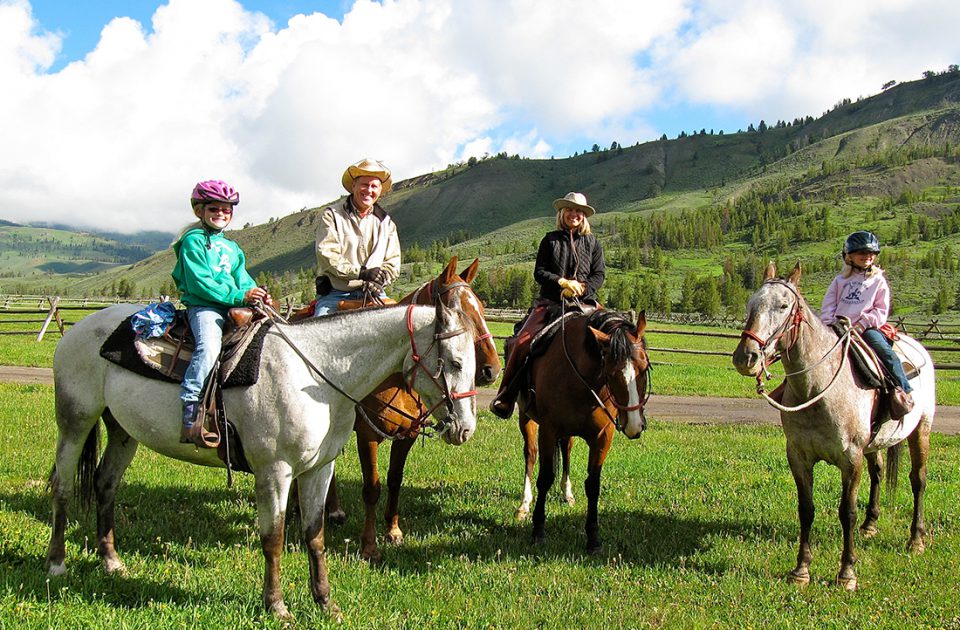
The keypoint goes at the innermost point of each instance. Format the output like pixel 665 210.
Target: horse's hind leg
pixel 875 469
pixel 399 451
pixel 802 471
pixel 850 483
pixel 314 486
pixel 565 479
pixel 919 442
pixel 116 458
pixel 528 429
pixel 367 451
pixel 77 449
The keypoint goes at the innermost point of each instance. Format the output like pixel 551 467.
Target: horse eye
pixel 784 307
pixel 457 365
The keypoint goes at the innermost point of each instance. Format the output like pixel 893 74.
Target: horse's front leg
pixel 850 483
pixel 875 470
pixel 313 491
pixel 272 486
pixel 565 479
pixel 591 486
pixel 399 451
pixel 547 441
pixel 117 456
pixel 528 429
pixel 919 442
pixel 367 452
pixel 802 471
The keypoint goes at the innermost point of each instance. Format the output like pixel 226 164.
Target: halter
pixel 612 398
pixel 435 291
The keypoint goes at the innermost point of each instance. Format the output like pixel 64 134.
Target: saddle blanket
pixel 119 348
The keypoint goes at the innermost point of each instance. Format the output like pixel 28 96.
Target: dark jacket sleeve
pixel 543 269
pixel 598 270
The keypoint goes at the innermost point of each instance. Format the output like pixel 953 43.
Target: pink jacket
pixel 865 301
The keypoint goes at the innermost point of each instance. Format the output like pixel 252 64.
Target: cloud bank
pixel 117 139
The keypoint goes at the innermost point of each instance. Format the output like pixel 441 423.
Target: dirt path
pixel 689 409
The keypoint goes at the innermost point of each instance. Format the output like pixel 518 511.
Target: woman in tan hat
pixel 569 266
pixel 357 242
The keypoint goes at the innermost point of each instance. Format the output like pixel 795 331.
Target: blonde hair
pixel 584 228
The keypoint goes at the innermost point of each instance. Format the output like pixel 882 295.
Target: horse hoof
pixel 57 569
pixel 394 537
pixel 372 556
pixel 916 547
pixel 849 584
pixel 333 611
pixel 869 531
pixel 595 550
pixel 538 540
pixel 523 513
pixel 799 578
pixel 114 566
pixel 279 610
pixel 337 518
pixel 569 499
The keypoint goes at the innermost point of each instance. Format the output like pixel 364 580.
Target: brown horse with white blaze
pixel 392 410
pixel 591 381
pixel 827 416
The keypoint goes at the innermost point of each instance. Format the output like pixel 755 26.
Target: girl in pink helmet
pixel 211 276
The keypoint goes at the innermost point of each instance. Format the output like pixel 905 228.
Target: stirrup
pixel 196 434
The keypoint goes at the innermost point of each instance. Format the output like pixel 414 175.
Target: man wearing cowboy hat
pixel 357 243
pixel 570 266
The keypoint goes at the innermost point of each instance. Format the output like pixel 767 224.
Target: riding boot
pixel 901 403
pixel 506 398
pixel 192 430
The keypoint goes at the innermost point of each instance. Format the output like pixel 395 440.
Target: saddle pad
pixel 119 349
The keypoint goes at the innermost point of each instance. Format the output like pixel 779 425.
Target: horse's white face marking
pixel 459 370
pixel 633 421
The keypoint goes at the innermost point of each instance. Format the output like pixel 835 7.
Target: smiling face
pixel 366 191
pixel 216 215
pixel 862 259
pixel 572 218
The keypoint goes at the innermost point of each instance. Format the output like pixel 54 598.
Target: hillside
pixel 783 189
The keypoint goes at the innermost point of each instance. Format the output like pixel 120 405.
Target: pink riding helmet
pixel 214 190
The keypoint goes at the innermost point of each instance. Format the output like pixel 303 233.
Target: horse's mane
pixel 617 325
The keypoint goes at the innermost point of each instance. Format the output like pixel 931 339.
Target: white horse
pixel 827 416
pixel 292 423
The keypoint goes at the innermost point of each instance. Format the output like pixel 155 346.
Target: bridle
pixel 435 291
pixel 611 397
pixel 417 423
pixel 790 328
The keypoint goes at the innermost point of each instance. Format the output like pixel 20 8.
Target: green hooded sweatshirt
pixel 210 270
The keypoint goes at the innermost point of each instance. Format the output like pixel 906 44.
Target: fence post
pixel 54 313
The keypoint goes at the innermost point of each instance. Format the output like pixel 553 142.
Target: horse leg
pixel 335 513
pixel 367 451
pixel 565 479
pixel 314 487
pixel 850 484
pixel 591 487
pixel 272 486
pixel 528 429
pixel 117 456
pixel 875 469
pixel 802 471
pixel 547 442
pixel 399 451
pixel 919 442
pixel 77 446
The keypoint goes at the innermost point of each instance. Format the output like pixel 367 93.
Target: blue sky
pixel 107 104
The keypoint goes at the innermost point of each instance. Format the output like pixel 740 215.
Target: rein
pixel 614 420
pixel 792 325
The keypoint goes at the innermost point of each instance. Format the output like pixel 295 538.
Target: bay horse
pixel 827 416
pixel 293 422
pixel 388 411
pixel 591 381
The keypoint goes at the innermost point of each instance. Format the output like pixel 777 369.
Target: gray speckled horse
pixel 827 416
pixel 292 422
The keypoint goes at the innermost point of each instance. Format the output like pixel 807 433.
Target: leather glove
pixel 376 275
pixel 575 287
pixel 566 293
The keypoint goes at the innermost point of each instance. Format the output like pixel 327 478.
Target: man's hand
pixel 257 293
pixel 376 275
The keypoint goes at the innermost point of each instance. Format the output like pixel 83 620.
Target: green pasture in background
pixel 698 522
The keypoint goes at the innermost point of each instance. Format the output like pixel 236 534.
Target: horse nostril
pixel 487 373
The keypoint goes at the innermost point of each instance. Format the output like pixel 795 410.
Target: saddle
pixel 343 305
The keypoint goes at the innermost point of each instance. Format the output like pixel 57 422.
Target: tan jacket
pixel 345 243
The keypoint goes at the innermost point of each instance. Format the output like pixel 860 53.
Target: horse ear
pixel 641 322
pixel 794 278
pixel 771 271
pixel 450 273
pixel 468 274
pixel 601 337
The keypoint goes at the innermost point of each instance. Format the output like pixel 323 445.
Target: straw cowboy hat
pixel 574 200
pixel 367 168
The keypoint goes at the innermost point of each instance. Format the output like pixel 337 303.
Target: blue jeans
pixel 206 322
pixel 884 349
pixel 329 302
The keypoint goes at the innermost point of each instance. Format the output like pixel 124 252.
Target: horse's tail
pixel 893 469
pixel 87 467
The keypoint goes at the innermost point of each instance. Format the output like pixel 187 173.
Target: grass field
pixel 699 526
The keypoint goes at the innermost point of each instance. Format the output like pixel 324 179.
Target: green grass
pixel 699 526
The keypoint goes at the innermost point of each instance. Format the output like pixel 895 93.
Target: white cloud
pixel 209 89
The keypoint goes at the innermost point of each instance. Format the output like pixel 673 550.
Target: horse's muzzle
pixel 747 362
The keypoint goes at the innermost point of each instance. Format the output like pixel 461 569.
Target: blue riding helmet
pixel 861 242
